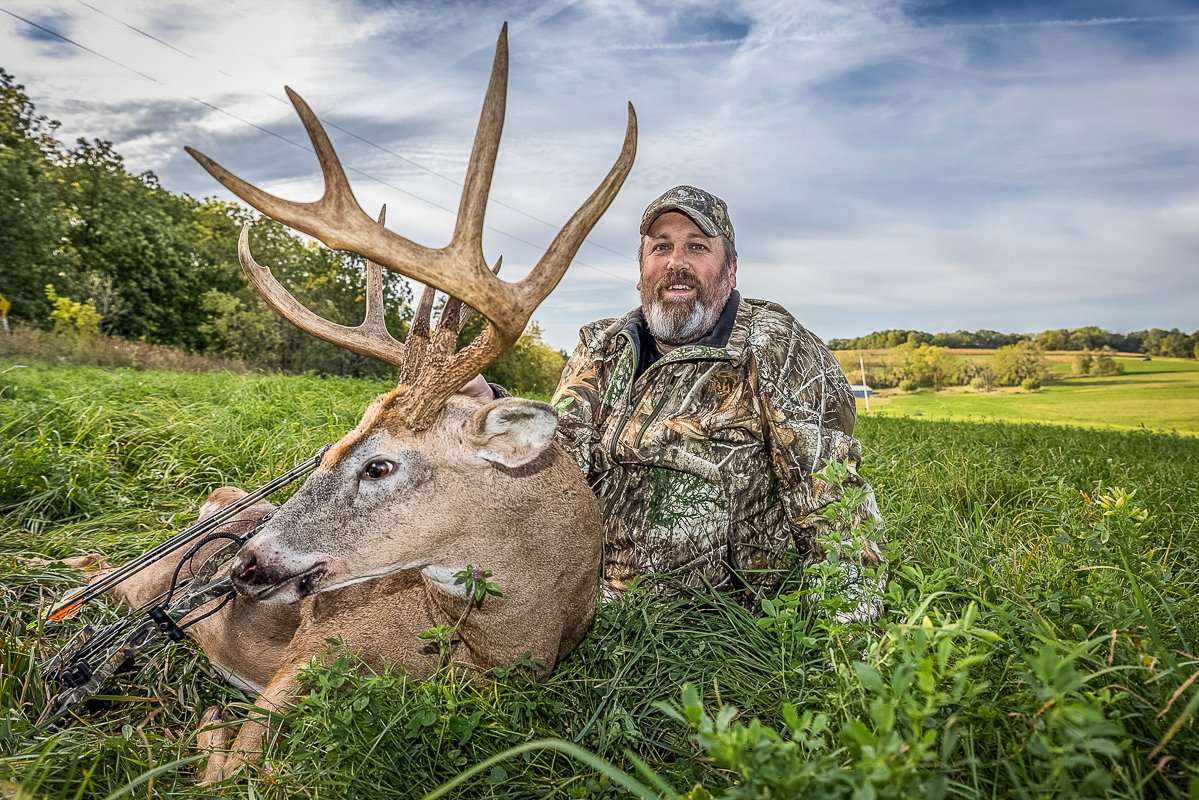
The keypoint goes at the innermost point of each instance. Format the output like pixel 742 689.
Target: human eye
pixel 699 247
pixel 660 247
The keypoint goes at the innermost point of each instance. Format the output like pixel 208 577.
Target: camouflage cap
pixel 705 209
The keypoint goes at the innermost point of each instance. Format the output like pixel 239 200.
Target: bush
pixel 72 318
pixel 1030 384
pixel 1019 362
pixel 1084 362
pixel 530 368
pixel 971 373
pixel 908 385
pixel 925 364
pixel 1100 363
pixel 1104 364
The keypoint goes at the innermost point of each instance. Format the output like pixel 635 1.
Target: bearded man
pixel 702 418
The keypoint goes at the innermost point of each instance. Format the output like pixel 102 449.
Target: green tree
pixel 328 282
pixel 1020 362
pixel 1174 345
pixel 140 235
pixel 924 364
pixel 249 333
pixel 33 222
pixel 1084 362
pixel 529 367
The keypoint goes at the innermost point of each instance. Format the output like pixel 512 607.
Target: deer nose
pixel 245 568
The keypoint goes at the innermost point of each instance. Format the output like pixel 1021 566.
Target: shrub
pixel 908 385
pixel 1030 384
pixel 1104 364
pixel 1017 362
pixel 530 368
pixel 972 373
pixel 925 364
pixel 1083 363
pixel 1100 363
pixel 72 318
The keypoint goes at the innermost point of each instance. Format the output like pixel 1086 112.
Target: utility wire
pixel 281 137
pixel 334 125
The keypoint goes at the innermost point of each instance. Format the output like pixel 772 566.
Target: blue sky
pixel 936 165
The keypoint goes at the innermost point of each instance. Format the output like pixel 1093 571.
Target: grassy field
pixel 1041 637
pixel 1162 395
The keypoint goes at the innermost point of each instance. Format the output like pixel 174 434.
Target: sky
pixel 888 164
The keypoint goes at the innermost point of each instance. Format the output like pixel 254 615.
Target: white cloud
pixel 882 170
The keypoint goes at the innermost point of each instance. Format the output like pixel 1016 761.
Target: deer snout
pixel 278 580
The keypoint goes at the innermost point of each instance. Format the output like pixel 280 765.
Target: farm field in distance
pixel 1040 637
pixel 1162 395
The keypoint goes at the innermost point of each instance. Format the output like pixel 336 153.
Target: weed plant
pixel 1039 638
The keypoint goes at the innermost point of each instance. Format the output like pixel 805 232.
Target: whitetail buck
pixel 428 482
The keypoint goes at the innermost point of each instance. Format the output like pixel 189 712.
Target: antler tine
pixel 365 339
pixel 451 312
pixel 549 270
pixel 424 311
pixel 376 313
pixel 338 196
pixel 336 218
pixel 468 229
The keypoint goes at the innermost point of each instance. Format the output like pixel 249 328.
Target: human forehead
pixel 675 224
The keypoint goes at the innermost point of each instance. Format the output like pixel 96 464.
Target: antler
pixel 459 268
pixel 370 338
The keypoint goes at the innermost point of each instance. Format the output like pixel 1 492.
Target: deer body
pixel 429 481
pixel 534 526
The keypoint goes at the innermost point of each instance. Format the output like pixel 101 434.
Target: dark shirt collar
pixel 647 348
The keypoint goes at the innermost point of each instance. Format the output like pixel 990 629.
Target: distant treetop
pixel 1154 341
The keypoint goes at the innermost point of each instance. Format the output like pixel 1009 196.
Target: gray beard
pixel 680 323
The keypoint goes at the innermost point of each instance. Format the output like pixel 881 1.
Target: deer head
pixel 405 489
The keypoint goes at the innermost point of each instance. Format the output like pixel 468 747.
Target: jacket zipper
pixel 627 414
pixel 635 401
pixel 653 416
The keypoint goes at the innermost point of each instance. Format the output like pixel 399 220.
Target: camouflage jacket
pixel 703 462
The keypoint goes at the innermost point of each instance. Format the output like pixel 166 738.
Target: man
pixel 700 419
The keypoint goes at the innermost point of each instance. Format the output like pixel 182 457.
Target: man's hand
pixel 478 389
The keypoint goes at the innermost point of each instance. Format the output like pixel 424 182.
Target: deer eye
pixel 379 468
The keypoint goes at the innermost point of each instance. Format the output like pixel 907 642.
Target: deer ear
pixel 512 431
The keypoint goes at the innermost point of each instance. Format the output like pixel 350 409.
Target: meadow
pixel 1041 635
pixel 1159 395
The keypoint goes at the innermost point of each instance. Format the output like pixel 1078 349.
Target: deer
pixel 428 482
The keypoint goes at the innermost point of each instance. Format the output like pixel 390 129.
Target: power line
pixel 328 123
pixel 281 137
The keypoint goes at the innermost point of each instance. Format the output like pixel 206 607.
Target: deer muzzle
pixel 275 581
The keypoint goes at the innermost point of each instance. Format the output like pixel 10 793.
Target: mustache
pixel 681 278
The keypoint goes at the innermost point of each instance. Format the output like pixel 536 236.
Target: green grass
pixel 1034 644
pixel 1161 395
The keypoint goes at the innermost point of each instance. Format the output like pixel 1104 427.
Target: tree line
pixel 116 254
pixel 1154 341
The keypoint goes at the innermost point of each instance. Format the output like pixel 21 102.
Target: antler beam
pixel 459 268
pixel 432 367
